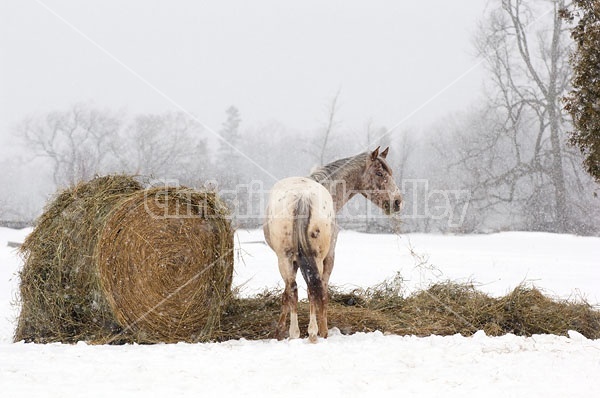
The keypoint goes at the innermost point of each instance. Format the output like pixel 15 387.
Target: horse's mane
pixel 339 169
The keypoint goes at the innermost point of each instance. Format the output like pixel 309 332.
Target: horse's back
pixel 281 213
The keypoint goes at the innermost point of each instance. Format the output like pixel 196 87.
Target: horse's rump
pixel 300 221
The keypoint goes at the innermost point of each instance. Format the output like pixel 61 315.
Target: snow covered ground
pixel 359 365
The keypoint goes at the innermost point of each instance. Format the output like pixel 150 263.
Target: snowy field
pixel 359 365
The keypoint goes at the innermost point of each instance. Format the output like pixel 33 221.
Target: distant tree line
pixel 503 164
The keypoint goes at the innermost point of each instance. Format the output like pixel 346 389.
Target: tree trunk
pixel 557 173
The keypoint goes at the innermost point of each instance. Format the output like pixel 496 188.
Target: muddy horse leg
pixel 316 307
pixel 289 300
pixel 317 300
pixel 327 268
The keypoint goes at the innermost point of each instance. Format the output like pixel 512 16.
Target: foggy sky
pixel 274 60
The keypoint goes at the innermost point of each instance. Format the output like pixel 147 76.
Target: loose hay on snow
pixel 111 262
pixel 442 309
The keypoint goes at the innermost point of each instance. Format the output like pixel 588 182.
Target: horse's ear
pixel 385 152
pixel 375 153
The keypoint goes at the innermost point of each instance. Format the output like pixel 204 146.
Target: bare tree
pixel 510 151
pixel 525 149
pixel 320 144
pixel 78 142
pixel 473 154
pixel 331 122
pixel 166 146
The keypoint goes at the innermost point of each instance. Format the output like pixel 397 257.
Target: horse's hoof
pixel 312 338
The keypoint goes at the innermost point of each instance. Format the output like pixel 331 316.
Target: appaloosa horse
pixel 300 227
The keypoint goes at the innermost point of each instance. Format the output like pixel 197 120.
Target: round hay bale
pixel 165 259
pixel 109 243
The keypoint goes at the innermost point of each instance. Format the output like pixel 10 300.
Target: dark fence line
pixel 14 224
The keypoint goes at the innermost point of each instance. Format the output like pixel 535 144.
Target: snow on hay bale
pixel 110 261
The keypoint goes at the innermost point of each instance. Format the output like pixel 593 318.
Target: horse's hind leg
pixel 317 301
pixel 289 300
pixel 279 331
pixel 294 329
pixel 322 317
pixel 327 268
pixel 313 328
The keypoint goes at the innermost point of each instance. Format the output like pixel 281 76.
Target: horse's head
pixel 378 185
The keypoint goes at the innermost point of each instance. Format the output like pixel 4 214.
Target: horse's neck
pixel 343 189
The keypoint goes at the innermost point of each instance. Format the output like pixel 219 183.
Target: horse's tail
pixel 304 254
